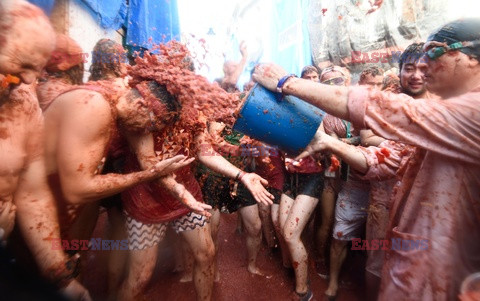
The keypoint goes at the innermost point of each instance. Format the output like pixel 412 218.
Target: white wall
pixel 85 29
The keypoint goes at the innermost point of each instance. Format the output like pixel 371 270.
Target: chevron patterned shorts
pixel 142 236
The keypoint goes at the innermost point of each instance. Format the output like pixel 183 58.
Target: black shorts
pixel 243 198
pixel 277 194
pixel 306 184
pixel 216 191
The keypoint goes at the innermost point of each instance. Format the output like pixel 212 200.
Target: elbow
pixel 74 196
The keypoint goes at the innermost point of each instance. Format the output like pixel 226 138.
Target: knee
pixel 289 236
pixel 205 255
pixel 255 229
pixel 137 280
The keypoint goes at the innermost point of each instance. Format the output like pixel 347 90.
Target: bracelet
pixel 241 176
pixel 238 175
pixel 282 82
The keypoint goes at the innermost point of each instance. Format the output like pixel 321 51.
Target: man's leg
pixel 201 244
pixel 143 242
pixel 286 203
pixel 117 258
pixel 326 214
pixel 350 218
pixel 296 221
pixel 187 259
pixel 283 246
pixel 338 252
pixel 214 226
pixel 267 224
pixel 253 226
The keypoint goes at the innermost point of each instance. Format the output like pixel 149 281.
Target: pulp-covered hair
pixel 372 70
pixel 412 54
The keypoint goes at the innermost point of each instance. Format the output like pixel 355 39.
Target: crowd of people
pixel 393 168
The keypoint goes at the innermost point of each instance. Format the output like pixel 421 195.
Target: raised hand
pixel 319 143
pixel 268 75
pixel 243 49
pixel 168 166
pixel 188 200
pixel 256 184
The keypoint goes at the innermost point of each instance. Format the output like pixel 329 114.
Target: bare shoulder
pixel 83 98
pixel 81 113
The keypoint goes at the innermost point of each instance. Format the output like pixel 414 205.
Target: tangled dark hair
pixel 412 54
pixel 107 56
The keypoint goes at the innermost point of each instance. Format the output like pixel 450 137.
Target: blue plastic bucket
pixel 288 123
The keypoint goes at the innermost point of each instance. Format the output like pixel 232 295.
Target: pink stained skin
pixel 25 49
pixel 446 160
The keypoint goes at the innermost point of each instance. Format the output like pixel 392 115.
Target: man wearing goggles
pixel 439 195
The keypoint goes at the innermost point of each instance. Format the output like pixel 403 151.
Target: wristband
pixel 238 175
pixel 241 175
pixel 282 82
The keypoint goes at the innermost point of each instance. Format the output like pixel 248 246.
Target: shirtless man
pixel 114 113
pixel 438 197
pixel 26 41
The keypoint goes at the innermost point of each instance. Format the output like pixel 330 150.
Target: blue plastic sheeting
pixel 45 5
pixel 111 13
pixel 152 19
pixel 290 39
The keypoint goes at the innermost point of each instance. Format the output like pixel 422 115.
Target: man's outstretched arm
pixel 81 152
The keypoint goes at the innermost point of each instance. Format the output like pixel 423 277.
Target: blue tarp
pixel 290 39
pixel 155 19
pixel 111 13
pixel 45 5
pixel 146 19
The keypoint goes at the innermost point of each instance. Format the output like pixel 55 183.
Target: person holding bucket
pixel 439 196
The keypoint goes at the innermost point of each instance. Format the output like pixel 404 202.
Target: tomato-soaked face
pixel 26 43
pixel 373 81
pixel 135 115
pixel 149 107
pixel 334 78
